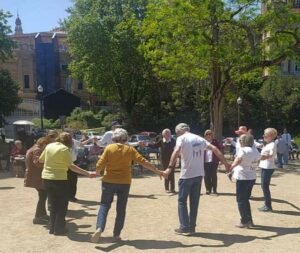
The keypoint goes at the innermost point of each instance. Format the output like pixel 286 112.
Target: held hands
pixel 92 174
pixel 228 167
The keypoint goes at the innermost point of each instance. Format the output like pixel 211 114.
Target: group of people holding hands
pixel 50 159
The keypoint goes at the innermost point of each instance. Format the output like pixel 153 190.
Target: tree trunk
pixel 216 114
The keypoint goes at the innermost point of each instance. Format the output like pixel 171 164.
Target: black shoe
pixel 215 193
pixel 40 221
pixel 73 199
pixel 208 192
pixel 180 231
pixel 62 232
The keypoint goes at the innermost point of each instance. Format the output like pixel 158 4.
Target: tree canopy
pixel 220 41
pixel 8 93
pixel 8 88
pixel 6 44
pixel 104 44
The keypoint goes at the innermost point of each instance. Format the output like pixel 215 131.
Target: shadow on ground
pixel 281 202
pixel 7 188
pixel 224 240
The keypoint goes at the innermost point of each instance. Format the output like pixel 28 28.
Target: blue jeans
pixel 191 188
pixel 108 192
pixel 266 175
pixel 286 155
pixel 243 193
pixel 280 160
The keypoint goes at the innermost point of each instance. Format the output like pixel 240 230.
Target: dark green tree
pixel 8 94
pixel 6 44
pixel 103 40
pixel 222 42
pixel 8 88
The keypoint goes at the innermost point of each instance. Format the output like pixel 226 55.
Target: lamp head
pixel 40 89
pixel 239 100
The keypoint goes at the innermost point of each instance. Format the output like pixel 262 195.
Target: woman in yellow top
pixel 57 160
pixel 116 162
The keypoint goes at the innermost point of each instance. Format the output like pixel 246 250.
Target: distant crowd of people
pixel 51 167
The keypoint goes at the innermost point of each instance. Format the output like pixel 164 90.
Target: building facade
pixel 42 59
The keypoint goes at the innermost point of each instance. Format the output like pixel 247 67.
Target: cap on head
pixel 115 124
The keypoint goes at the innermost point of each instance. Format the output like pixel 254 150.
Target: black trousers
pixel 41 204
pixel 210 178
pixel 170 182
pixel 57 191
pixel 72 181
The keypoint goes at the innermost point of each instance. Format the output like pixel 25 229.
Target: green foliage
pixel 106 122
pixel 222 41
pixel 282 102
pixel 297 140
pixel 6 44
pixel 103 40
pixel 80 119
pixel 47 123
pixel 8 93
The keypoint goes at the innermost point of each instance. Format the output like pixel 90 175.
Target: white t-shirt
pixel 208 156
pixel 106 139
pixel 74 149
pixel 269 149
pixel 192 155
pixel 246 169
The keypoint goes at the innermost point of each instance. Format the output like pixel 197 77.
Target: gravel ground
pixel 152 217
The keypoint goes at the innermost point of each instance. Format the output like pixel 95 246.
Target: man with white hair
pixel 166 145
pixel 191 147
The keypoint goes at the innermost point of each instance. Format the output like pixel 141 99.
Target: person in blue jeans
pixel 243 168
pixel 116 162
pixel 280 148
pixel 267 165
pixel 191 147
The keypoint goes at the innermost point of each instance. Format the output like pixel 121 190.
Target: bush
pixel 85 119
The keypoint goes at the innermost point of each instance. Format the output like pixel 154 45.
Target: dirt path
pixel 152 217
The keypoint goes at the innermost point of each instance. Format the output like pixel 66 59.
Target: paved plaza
pixel 152 217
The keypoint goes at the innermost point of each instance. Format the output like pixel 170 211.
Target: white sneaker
pixel 95 237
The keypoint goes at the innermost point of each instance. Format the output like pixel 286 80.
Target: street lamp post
pixel 239 101
pixel 40 91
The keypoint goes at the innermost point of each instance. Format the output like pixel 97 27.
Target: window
pixel 297 3
pixel 64 67
pixel 297 68
pixel 80 86
pixel 26 81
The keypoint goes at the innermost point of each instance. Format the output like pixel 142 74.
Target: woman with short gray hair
pixel 120 135
pixel 244 172
pixel 116 162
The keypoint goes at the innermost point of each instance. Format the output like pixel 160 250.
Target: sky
pixel 36 15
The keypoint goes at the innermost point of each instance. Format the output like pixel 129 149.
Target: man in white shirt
pixel 191 147
pixel 107 137
pixel 286 137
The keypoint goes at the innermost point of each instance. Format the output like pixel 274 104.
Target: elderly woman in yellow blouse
pixel 116 162
pixel 57 160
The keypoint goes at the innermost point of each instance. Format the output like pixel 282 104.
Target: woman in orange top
pixel 116 162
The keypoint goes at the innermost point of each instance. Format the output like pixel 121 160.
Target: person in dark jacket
pixel 33 179
pixel 33 175
pixel 211 162
pixel 166 145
